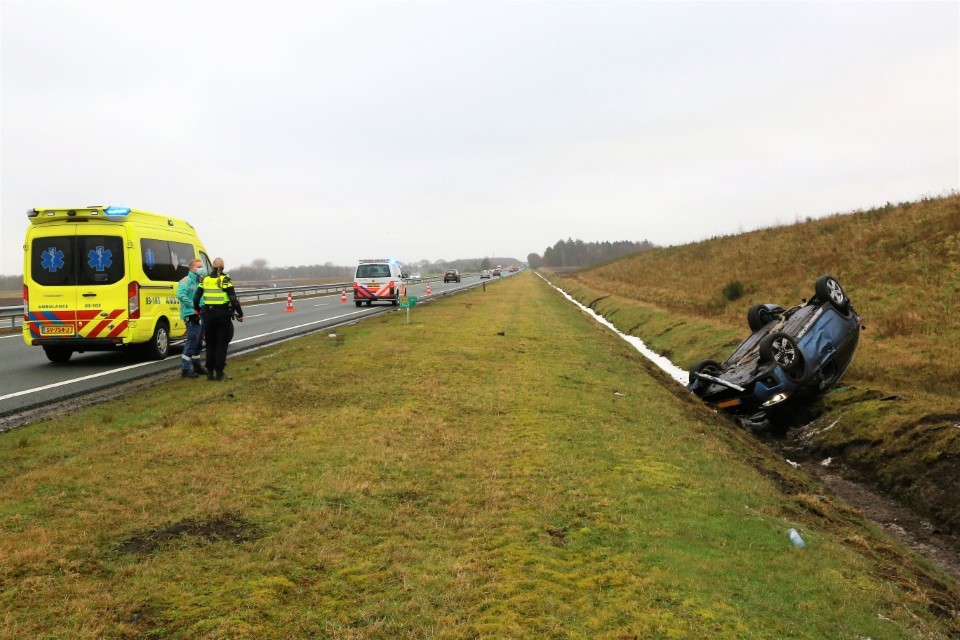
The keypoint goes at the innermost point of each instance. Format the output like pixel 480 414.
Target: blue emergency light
pixel 116 211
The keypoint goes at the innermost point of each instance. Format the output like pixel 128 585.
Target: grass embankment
pixel 501 467
pixel 901 267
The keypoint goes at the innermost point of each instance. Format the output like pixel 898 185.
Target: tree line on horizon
pixel 260 269
pixel 577 253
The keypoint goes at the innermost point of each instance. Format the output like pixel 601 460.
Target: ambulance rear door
pixel 102 305
pixel 76 288
pixel 50 280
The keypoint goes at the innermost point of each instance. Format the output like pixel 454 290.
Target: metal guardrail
pixel 15 314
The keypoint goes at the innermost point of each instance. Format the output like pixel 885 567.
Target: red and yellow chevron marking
pixel 94 325
pixel 361 292
pixel 78 324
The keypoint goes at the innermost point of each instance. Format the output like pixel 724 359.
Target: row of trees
pixel 260 269
pixel 577 253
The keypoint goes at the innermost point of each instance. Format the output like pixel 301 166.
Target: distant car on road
pixel 452 275
pixel 496 271
pixel 791 354
pixel 513 269
pixel 485 273
pixel 415 277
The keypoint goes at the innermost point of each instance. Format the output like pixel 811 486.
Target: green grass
pixel 900 265
pixel 502 467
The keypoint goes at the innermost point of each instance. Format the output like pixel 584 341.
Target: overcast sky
pixel 304 132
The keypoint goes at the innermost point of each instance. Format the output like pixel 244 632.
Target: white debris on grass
pixel 826 462
pixel 795 465
pixel 671 369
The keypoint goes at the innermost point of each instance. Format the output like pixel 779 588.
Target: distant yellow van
pixel 103 278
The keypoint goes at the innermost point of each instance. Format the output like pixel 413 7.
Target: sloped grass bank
pixel 894 424
pixel 501 467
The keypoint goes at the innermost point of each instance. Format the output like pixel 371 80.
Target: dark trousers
pixel 191 349
pixel 219 330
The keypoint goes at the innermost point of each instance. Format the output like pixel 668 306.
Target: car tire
pixel 711 367
pixel 158 347
pixel 829 290
pixel 757 317
pixel 781 348
pixel 369 302
pixel 358 302
pixel 58 355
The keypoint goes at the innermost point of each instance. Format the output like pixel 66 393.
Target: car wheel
pixel 159 346
pixel 369 302
pixel 781 348
pixel 59 355
pixel 758 316
pixel 358 302
pixel 827 288
pixel 711 367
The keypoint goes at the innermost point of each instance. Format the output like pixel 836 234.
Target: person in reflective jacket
pixel 220 306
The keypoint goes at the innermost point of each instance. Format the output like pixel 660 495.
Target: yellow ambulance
pixel 102 278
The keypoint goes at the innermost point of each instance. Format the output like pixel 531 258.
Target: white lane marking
pixel 82 378
pixel 322 304
pixel 143 364
pixel 16 335
pixel 255 315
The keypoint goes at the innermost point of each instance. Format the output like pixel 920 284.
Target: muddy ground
pixel 922 535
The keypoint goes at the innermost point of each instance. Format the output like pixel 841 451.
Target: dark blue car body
pixel 791 354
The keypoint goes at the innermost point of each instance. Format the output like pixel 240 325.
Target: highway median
pixel 500 467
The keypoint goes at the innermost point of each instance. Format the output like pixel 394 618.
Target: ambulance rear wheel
pixel 58 354
pixel 159 346
pixel 358 302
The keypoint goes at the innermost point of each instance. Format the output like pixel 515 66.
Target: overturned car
pixel 792 353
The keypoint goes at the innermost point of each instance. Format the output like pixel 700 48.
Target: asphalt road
pixel 28 379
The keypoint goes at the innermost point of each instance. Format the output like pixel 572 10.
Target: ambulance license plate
pixel 56 330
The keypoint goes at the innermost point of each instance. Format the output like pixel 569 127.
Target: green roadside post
pixel 406 302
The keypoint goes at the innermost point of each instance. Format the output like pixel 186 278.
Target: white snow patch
pixel 671 369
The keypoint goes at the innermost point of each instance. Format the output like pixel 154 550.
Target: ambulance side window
pixel 99 260
pixel 206 262
pixel 53 262
pixel 165 261
pixel 180 255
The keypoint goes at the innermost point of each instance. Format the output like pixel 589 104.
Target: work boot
pixel 187 373
pixel 218 375
pixel 210 375
pixel 200 369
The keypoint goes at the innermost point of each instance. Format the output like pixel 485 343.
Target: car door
pixel 51 279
